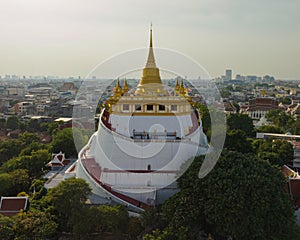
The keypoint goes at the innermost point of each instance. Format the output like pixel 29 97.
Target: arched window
pixel 149 167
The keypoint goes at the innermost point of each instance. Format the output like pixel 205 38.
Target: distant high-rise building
pixel 251 78
pixel 228 74
pixel 268 78
pixel 239 77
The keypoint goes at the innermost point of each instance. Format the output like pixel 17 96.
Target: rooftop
pixel 10 206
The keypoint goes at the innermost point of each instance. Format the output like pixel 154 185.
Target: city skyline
pixel 69 38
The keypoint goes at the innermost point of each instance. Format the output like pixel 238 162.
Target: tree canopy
pixel 33 163
pixel 12 123
pixel 242 197
pixel 63 141
pixel 34 225
pixel 280 119
pixel 269 129
pixel 240 122
pixel 6 228
pixel 68 198
pixel 236 140
pixel 277 152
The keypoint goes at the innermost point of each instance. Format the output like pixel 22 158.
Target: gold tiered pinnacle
pixel 150 98
pixel 181 88
pixel 125 87
pixel 150 82
pixel 176 88
pixel 151 60
pixel 118 89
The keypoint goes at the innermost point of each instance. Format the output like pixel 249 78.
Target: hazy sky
pixel 70 37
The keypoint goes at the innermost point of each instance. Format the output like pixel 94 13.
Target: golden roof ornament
pixel 176 88
pixel 151 60
pixel 117 92
pixel 182 90
pixel 118 88
pixel 125 87
pixel 150 81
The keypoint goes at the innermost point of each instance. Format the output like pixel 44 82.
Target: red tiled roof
pixel 293 184
pixel 59 156
pixel 10 206
pixel 263 104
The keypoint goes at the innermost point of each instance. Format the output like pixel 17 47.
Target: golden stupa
pixel 150 83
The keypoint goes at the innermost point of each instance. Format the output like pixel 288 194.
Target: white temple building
pixel 145 136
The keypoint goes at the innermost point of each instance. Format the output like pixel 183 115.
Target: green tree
pixel 294 127
pixel 240 122
pixel 242 197
pixel 50 128
pixel 169 233
pixel 269 129
pixel 33 126
pixel 35 225
pixel 2 123
pixel 241 175
pixel 113 218
pixel 78 221
pixel 20 181
pixel 236 140
pixel 277 152
pixel 151 219
pixel 280 119
pixel 34 163
pixel 6 184
pixel 237 106
pixel 286 100
pixel 6 228
pixel 28 138
pixel 15 163
pixel 38 162
pixel 135 228
pixel 63 141
pixel 37 189
pixel 9 149
pixel 33 147
pixel 272 157
pixel 285 150
pixel 68 198
pixel 205 117
pixel 12 123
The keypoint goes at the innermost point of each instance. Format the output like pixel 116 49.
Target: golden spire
pixel 125 87
pixel 150 81
pixel 176 88
pixel 151 60
pixel 118 89
pixel 181 88
pixel 151 45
